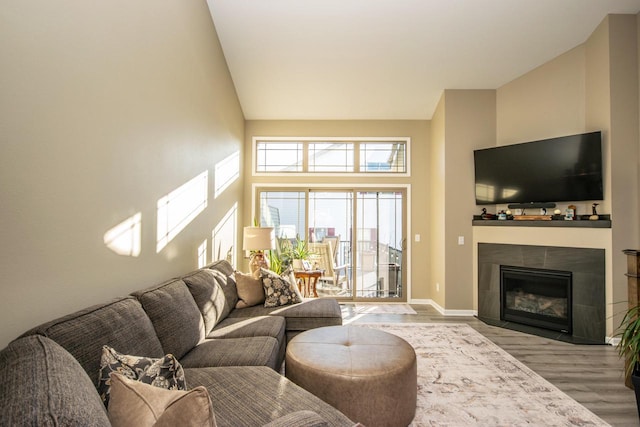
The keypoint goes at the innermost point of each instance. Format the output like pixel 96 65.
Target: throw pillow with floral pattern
pixel 277 289
pixel 165 372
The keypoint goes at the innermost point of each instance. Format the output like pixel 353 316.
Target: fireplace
pixel 583 320
pixel 536 297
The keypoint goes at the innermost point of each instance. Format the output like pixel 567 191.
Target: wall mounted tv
pixel 565 169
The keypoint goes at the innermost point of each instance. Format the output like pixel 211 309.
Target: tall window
pixel 331 155
pixel 285 211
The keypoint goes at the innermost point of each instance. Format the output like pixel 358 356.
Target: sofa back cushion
pixel 42 384
pixel 223 272
pixel 121 324
pixel 175 317
pixel 213 293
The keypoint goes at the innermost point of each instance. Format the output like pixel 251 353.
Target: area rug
pixel 464 379
pixel 383 309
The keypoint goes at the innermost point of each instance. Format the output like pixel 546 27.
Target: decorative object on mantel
pixel 570 213
pixel 486 215
pixel 256 240
pixel 532 217
pixel 557 215
pixel 594 214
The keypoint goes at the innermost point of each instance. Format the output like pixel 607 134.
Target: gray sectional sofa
pixel 50 372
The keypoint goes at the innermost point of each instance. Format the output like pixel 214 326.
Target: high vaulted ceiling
pixel 390 59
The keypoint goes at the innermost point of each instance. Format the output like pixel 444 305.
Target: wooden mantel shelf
pixel 601 223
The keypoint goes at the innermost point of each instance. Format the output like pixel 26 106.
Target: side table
pixel 307 281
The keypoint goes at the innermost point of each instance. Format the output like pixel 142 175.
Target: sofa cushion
pixel 299 419
pixel 240 327
pixel 175 316
pixel 250 290
pixel 260 326
pixel 311 313
pixel 138 404
pixel 251 351
pixel 121 324
pixel 278 290
pixel 270 395
pixel 211 291
pixel 165 372
pixel 223 271
pixel 42 384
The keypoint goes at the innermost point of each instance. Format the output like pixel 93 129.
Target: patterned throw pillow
pixel 293 281
pixel 165 372
pixel 277 289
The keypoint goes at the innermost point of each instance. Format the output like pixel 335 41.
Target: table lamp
pixel 256 240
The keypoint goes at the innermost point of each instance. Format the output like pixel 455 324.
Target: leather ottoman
pixel 369 375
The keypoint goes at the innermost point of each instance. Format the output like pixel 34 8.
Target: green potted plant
pixel 293 253
pixel 629 347
pixel 299 252
pixel 275 262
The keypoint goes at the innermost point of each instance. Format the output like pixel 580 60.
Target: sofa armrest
pixel 299 419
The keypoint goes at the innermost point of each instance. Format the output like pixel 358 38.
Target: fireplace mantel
pixel 601 223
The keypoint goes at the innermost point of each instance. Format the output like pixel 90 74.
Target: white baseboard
pixel 442 310
pixel 614 341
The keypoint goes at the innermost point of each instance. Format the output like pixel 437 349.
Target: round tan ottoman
pixel 367 374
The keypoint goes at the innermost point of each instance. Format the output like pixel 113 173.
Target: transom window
pixel 331 155
pixel 279 156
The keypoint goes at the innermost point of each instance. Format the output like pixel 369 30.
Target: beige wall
pixel 470 123
pixel 437 212
pixel 544 103
pixel 623 147
pixel 417 130
pixel 105 108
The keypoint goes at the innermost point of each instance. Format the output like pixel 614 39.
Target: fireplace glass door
pixel 536 297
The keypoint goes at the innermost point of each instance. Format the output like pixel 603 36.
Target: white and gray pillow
pixel 278 290
pixel 165 372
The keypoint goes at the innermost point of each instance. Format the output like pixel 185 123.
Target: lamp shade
pixel 257 238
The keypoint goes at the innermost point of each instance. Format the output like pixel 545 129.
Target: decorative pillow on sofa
pixel 293 281
pixel 278 291
pixel 250 290
pixel 135 404
pixel 165 372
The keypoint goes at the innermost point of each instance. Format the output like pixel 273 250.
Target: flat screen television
pixel 565 169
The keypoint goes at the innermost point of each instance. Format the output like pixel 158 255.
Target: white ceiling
pixel 389 59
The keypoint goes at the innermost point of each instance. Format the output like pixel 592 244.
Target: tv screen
pixel 565 169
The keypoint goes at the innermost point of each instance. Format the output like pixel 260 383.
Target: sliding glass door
pixel 355 236
pixel 380 244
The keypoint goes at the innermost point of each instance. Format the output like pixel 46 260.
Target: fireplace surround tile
pixel 588 270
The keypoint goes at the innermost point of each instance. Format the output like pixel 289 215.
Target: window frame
pixel 356 141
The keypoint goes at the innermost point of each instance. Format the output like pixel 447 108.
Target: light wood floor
pixel 590 374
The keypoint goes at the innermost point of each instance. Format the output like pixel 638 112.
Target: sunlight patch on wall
pixel 202 254
pixel 178 208
pixel 224 236
pixel 126 237
pixel 226 172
